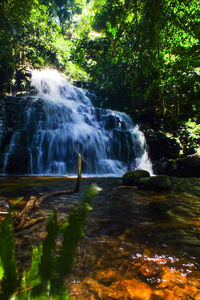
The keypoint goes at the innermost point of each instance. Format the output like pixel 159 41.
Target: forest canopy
pixel 143 56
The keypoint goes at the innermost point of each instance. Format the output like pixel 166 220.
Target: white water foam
pixel 61 122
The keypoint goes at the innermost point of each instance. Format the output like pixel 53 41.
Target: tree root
pixel 29 223
pixel 41 199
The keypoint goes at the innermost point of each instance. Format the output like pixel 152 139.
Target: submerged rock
pixel 150 268
pixel 149 272
pixel 133 177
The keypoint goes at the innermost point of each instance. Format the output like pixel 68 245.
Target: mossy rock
pixel 133 177
pixel 156 183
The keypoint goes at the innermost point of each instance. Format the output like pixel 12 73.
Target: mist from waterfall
pixel 59 122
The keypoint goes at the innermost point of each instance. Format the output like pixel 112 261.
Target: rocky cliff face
pixel 161 146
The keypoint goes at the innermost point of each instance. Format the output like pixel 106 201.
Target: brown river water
pixel 138 244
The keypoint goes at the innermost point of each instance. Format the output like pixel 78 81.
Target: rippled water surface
pixel 138 244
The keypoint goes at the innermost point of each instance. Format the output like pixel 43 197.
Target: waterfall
pixel 50 128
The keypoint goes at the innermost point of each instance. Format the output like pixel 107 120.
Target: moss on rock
pixel 156 183
pixel 133 177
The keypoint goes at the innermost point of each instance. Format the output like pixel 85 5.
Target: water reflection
pixel 138 244
pixel 142 246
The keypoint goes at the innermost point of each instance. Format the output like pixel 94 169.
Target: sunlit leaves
pixel 1 270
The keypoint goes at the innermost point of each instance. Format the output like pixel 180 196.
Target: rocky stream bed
pixel 137 245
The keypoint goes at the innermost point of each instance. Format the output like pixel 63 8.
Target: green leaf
pixel 46 266
pixel 1 269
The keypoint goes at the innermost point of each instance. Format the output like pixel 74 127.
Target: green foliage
pixel 46 277
pixel 34 33
pixel 30 278
pixel 49 245
pixel 1 270
pixel 189 134
pixel 144 53
pixel 13 16
pixel 193 129
pixel 10 281
pixel 76 72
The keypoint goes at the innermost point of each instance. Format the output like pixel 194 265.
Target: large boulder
pixel 156 183
pixel 133 177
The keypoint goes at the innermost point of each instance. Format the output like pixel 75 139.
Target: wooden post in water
pixel 78 181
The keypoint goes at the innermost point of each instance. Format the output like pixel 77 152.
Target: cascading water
pixel 44 134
